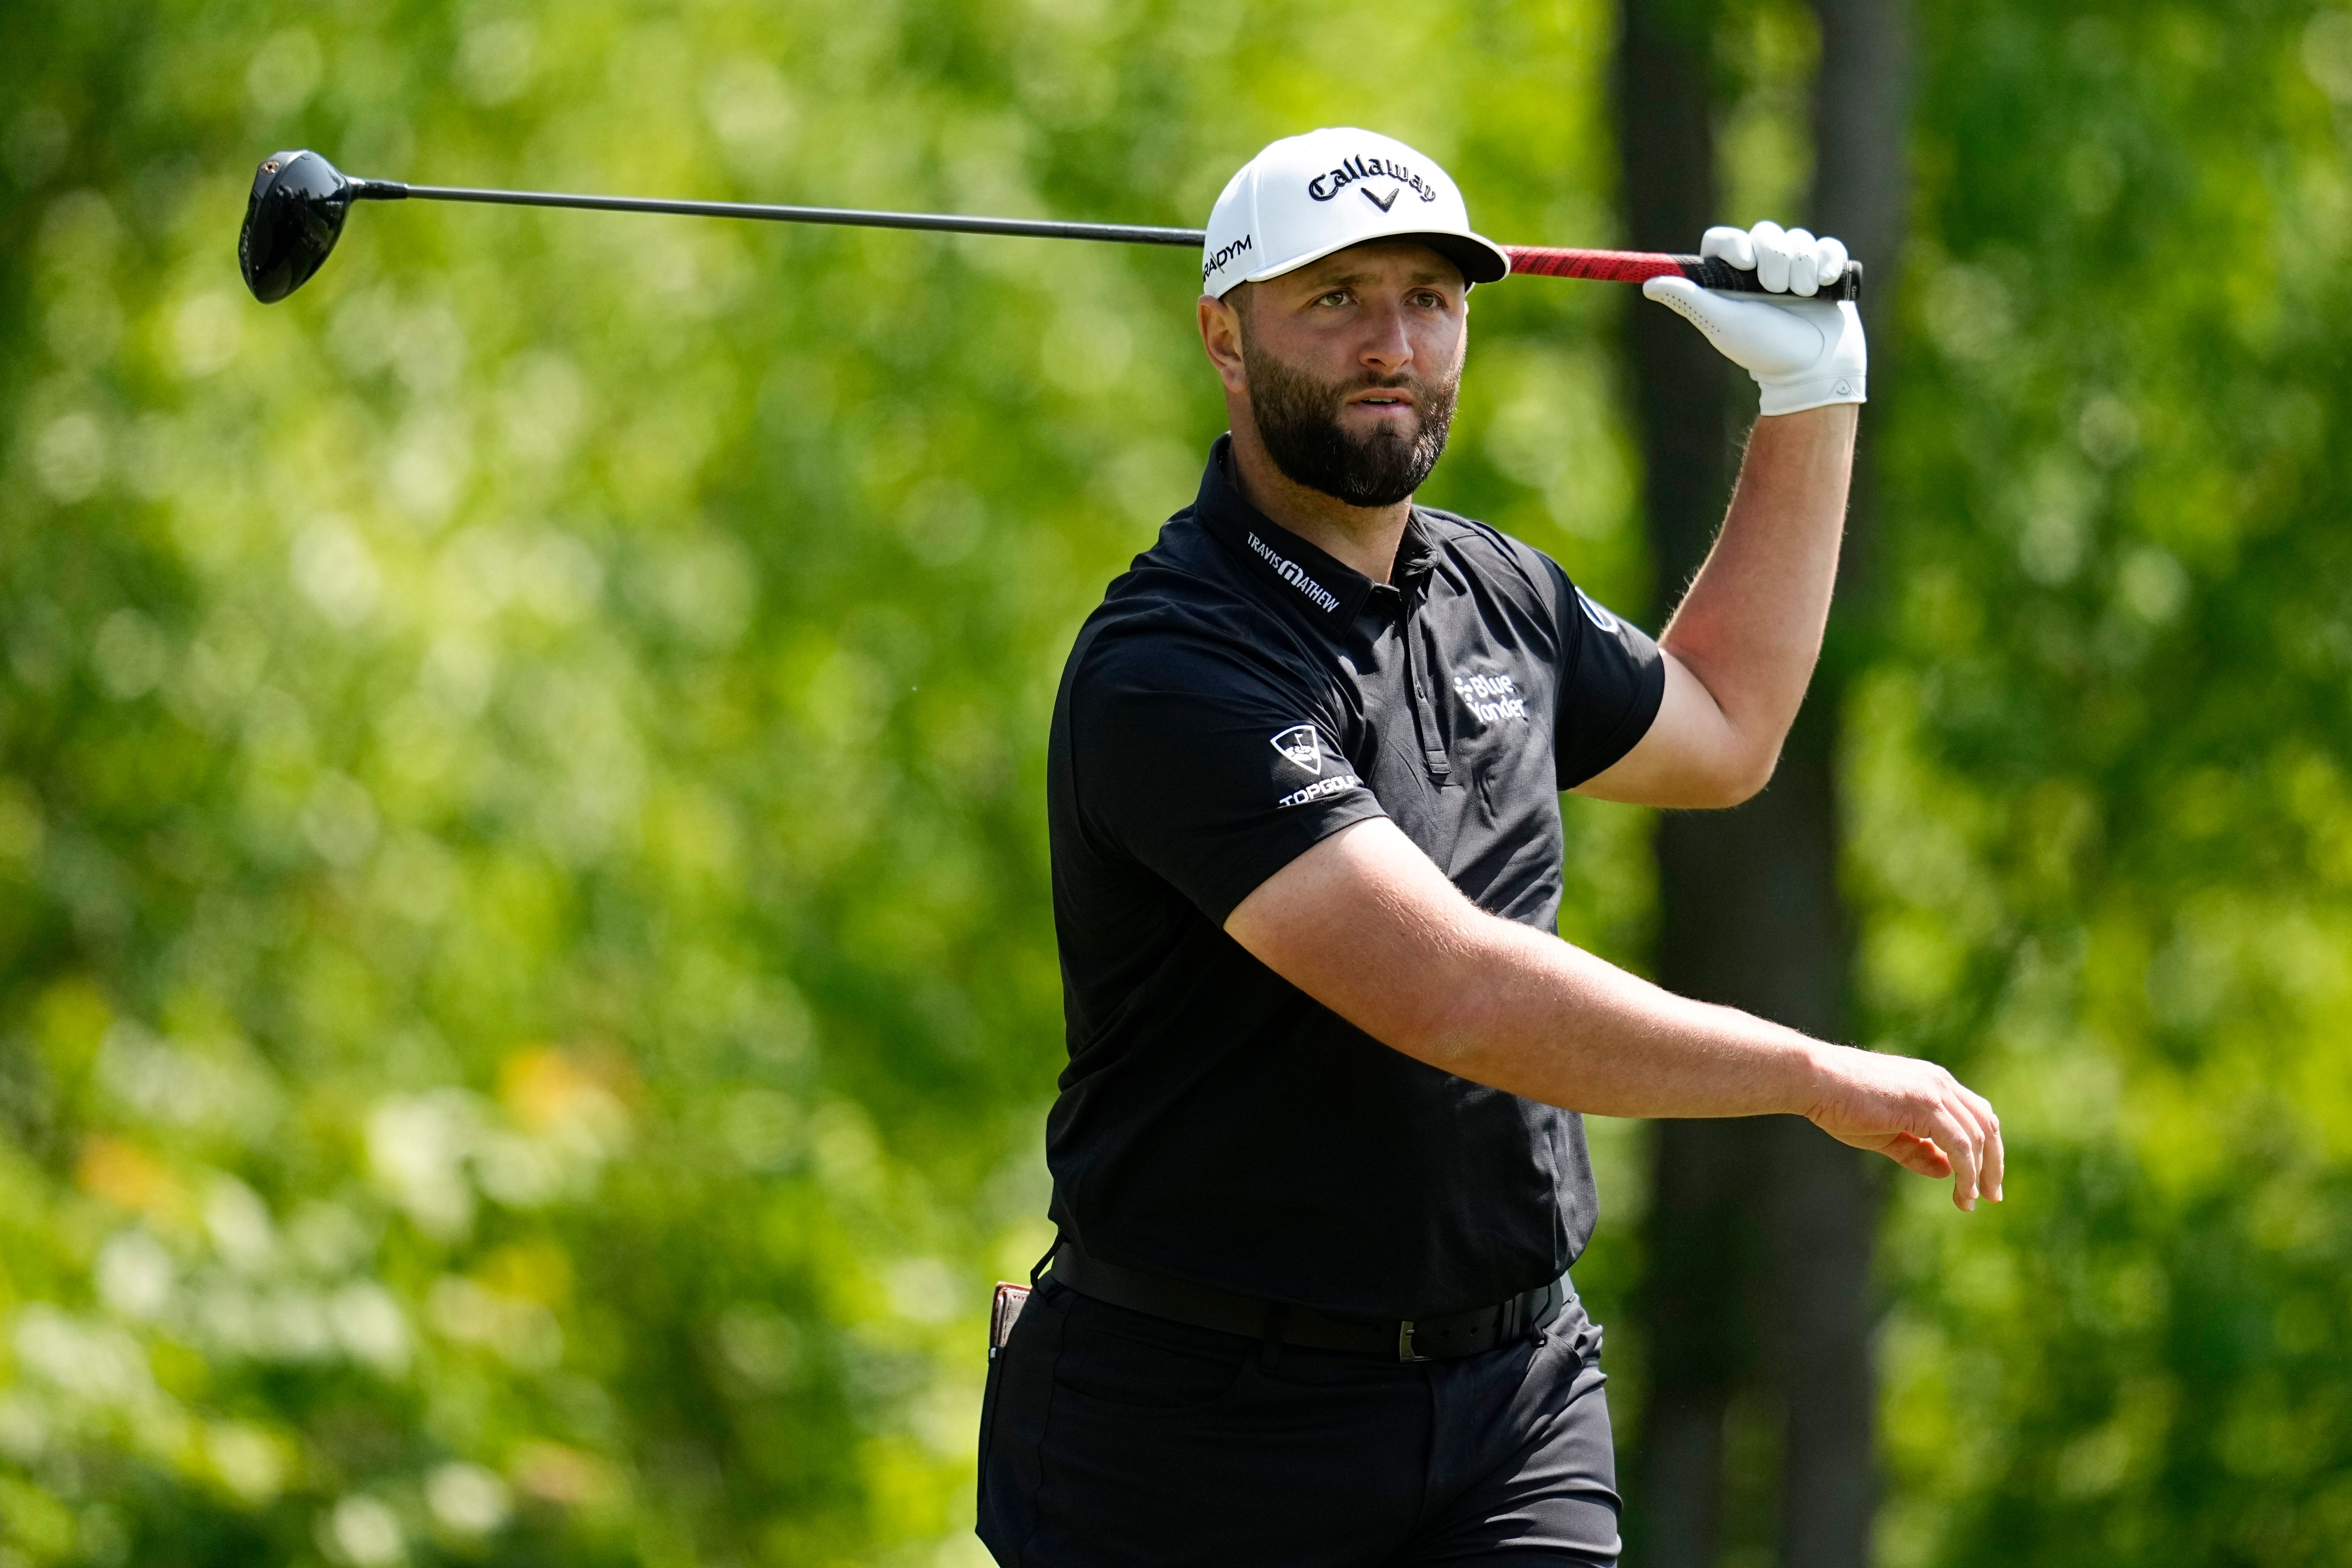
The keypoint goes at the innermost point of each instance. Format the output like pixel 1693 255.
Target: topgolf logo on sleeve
pixel 1302 746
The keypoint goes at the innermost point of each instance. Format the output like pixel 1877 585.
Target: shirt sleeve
pixel 1208 767
pixel 1612 679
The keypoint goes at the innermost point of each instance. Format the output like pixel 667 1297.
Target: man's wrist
pixel 1814 1069
pixel 1823 414
pixel 1788 1072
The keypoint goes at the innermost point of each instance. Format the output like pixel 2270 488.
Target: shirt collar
pixel 1327 590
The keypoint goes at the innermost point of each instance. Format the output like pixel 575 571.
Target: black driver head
pixel 295 216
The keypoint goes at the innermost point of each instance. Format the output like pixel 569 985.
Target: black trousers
pixel 1113 1439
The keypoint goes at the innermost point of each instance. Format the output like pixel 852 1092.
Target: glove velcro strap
pixel 1795 397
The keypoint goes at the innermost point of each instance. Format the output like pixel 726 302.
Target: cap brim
pixel 1480 258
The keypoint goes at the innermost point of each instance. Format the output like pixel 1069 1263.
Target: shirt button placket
pixel 1425 717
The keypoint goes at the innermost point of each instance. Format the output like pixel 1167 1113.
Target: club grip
pixel 1640 266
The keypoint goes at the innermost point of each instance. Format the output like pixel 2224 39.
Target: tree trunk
pixel 1759 1232
pixel 1822 1196
pixel 1700 1231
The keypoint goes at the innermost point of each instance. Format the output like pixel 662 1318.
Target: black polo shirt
pixel 1238 696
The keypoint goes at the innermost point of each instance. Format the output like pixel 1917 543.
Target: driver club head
pixel 291 221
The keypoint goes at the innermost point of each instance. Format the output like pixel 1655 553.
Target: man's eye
pixel 1336 297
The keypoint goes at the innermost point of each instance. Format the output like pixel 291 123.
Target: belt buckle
pixel 1404 1343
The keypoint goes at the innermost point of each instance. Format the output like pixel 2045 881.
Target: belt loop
pixel 1277 1321
pixel 1040 1267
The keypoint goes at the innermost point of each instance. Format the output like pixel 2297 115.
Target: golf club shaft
pixel 1547 261
pixel 1035 228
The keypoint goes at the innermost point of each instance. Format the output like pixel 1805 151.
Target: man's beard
pixel 1298 419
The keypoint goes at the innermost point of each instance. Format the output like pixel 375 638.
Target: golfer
pixel 1318 1170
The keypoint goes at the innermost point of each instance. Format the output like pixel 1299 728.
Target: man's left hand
pixel 1803 351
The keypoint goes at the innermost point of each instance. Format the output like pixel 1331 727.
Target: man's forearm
pixel 1522 1011
pixel 1750 628
pixel 1366 924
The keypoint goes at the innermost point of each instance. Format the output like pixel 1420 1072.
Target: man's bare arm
pixel 1367 925
pixel 1741 647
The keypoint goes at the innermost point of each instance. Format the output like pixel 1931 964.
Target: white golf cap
pixel 1306 196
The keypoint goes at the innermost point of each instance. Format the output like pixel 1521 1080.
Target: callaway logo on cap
pixel 1307 196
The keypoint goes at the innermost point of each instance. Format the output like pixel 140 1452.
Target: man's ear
pixel 1221 338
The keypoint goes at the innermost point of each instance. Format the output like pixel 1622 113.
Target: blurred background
pixel 526 991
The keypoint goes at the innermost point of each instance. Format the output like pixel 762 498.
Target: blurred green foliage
pixel 2103 785
pixel 526 992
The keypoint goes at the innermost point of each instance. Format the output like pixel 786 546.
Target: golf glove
pixel 1803 353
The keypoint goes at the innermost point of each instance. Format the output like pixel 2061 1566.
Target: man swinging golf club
pixel 1319 1172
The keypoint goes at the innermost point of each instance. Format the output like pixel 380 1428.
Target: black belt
pixel 1408 1338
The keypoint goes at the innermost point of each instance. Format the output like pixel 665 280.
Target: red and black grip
pixel 1640 265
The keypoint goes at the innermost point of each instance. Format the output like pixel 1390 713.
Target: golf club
pixel 299 202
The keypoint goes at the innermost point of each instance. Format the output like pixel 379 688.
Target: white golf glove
pixel 1803 353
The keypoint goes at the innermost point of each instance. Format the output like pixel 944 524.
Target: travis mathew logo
pixel 1290 572
pixel 1323 187
pixel 1217 263
pixel 1300 745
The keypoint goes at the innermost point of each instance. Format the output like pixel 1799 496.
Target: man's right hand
pixel 1914 1112
pixel 1804 351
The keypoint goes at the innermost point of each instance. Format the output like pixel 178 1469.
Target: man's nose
pixel 1387 347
